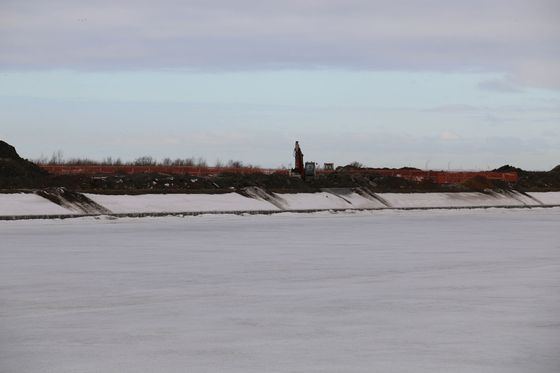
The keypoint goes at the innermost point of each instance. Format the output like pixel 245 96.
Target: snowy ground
pixel 28 204
pixel 179 202
pixel 385 291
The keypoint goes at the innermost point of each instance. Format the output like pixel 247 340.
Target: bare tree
pixel 234 164
pixel 57 157
pixel 201 162
pixel 356 164
pixel 145 160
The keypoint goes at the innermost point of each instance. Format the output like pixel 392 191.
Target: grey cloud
pixel 515 37
pixel 542 106
pixel 549 133
pixel 454 108
pixel 500 85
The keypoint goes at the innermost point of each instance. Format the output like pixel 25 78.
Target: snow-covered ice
pixel 385 291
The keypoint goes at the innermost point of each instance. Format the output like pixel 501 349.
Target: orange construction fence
pixel 438 177
pixel 130 169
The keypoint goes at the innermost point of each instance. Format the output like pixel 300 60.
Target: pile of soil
pixel 16 172
pixel 483 184
pixel 535 181
pixel 508 168
pixel 274 182
pixel 7 151
pixel 135 183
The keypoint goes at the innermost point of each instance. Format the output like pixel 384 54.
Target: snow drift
pixel 258 200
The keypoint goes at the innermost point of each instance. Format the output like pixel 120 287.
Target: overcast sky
pixel 433 83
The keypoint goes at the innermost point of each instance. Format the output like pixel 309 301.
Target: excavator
pixel 306 169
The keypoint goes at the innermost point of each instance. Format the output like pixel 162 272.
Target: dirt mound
pixel 508 168
pixel 539 181
pixel 407 168
pixel 482 184
pixel 7 151
pixel 16 171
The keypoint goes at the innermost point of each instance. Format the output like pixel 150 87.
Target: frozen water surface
pixel 391 291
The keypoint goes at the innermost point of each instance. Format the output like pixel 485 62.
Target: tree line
pixel 57 158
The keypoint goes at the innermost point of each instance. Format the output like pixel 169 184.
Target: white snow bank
pixel 306 201
pixel 29 204
pixel 179 202
pixel 404 200
pixel 547 198
pixel 324 200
